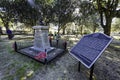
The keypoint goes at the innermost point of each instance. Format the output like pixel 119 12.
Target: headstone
pixel 41 41
pixel 90 47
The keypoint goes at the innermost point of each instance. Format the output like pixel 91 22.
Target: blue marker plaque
pixel 90 47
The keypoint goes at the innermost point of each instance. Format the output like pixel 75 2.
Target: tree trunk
pixel 58 30
pixel 63 31
pixel 6 25
pixel 94 29
pixel 107 27
pixel 107 30
pixel 108 11
pixel 81 30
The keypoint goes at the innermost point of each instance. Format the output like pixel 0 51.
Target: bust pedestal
pixel 41 41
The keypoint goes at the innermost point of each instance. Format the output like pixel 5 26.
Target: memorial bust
pixel 42 22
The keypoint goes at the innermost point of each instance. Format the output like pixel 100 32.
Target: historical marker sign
pixel 90 47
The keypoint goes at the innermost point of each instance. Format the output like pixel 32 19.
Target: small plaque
pixel 90 47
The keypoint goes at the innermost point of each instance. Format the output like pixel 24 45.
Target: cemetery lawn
pixel 15 66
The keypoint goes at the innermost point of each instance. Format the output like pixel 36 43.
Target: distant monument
pixel 41 41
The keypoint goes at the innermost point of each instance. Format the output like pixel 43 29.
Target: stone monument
pixel 41 44
pixel 41 41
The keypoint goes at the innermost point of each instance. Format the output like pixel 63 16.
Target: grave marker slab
pixel 90 47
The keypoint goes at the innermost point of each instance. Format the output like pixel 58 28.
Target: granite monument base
pixel 50 55
pixel 41 49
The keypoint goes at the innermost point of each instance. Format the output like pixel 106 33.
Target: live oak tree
pixel 21 11
pixel 87 16
pixel 107 10
pixel 59 11
pixel 6 14
pixel 45 10
pixel 17 10
pixel 41 10
pixel 63 10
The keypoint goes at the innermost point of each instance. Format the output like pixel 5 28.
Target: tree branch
pixel 2 18
pixel 101 13
pixel 117 13
pixel 114 5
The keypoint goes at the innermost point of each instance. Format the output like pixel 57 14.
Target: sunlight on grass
pixel 109 58
pixel 93 77
pixel 107 51
pixel 116 59
pixel 117 46
pixel 116 37
pixel 29 73
pixel 23 78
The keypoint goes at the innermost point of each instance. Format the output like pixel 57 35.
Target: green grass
pixel 20 72
pixel 22 69
pixel 10 77
pixel 19 66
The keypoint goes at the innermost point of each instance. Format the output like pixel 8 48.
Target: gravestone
pixel 90 47
pixel 41 41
